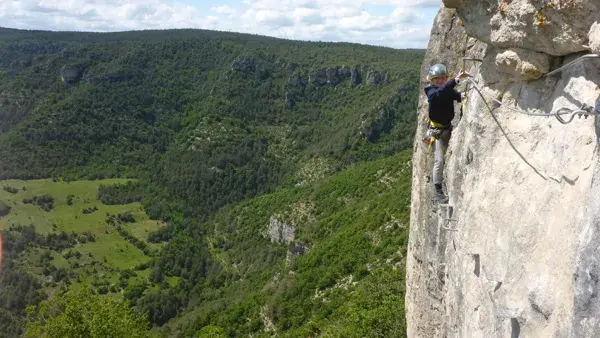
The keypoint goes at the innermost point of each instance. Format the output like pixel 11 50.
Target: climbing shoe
pixel 439 196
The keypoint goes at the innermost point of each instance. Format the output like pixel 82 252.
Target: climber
pixel 441 96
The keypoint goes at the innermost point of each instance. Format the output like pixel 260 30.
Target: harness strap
pixel 435 125
pixel 432 137
pixel 432 140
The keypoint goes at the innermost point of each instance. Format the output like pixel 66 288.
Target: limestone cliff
pixel 515 253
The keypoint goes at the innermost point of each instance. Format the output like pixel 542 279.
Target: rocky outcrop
pixel 355 77
pixel 327 76
pixel 522 63
pixel 319 77
pixel 555 27
pixel 295 82
pixel 247 64
pixel 93 80
pixel 280 232
pixel 72 74
pixel 374 77
pixel 373 123
pixel 334 76
pixel 514 252
pixel 594 37
pixel 346 72
pixel 426 255
pixel 244 64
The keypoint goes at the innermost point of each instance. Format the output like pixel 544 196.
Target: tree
pixel 81 314
pixel 4 209
pixel 212 331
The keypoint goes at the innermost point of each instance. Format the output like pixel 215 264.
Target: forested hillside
pixel 274 175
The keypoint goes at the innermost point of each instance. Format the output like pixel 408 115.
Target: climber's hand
pixel 462 74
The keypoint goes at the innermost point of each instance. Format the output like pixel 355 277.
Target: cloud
pixel 394 23
pixel 268 17
pixel 88 15
pixel 224 9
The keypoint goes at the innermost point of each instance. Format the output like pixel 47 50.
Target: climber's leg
pixel 441 145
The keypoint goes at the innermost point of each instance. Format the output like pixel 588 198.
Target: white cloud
pixel 395 23
pixel 224 9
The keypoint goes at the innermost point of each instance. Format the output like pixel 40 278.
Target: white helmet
pixel 437 70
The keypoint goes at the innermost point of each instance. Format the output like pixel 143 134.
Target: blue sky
pixel 392 23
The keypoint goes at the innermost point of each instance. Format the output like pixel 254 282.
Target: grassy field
pixel 97 261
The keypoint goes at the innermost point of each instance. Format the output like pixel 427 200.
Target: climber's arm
pixel 445 91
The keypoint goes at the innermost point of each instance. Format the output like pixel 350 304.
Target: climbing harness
pixel 434 130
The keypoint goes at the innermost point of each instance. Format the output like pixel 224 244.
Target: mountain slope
pixel 211 124
pixel 322 259
pixel 108 101
pixel 149 104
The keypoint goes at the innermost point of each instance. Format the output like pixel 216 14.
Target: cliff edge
pixel 516 251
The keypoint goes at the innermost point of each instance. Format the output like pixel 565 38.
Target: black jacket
pixel 441 102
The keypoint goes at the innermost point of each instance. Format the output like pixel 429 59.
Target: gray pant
pixel 441 144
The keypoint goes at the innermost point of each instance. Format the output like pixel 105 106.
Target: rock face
pixel 514 253
pixel 72 74
pixel 328 76
pixel 523 63
pixel 594 37
pixel 280 232
pixel 295 81
pixel 246 64
pixel 374 77
pixel 319 78
pixel 556 27
pixel 377 121
pixel 333 76
pixel 355 77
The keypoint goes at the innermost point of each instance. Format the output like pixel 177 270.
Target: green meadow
pixel 76 209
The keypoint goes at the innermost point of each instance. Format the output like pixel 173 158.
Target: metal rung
pixel 447 227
